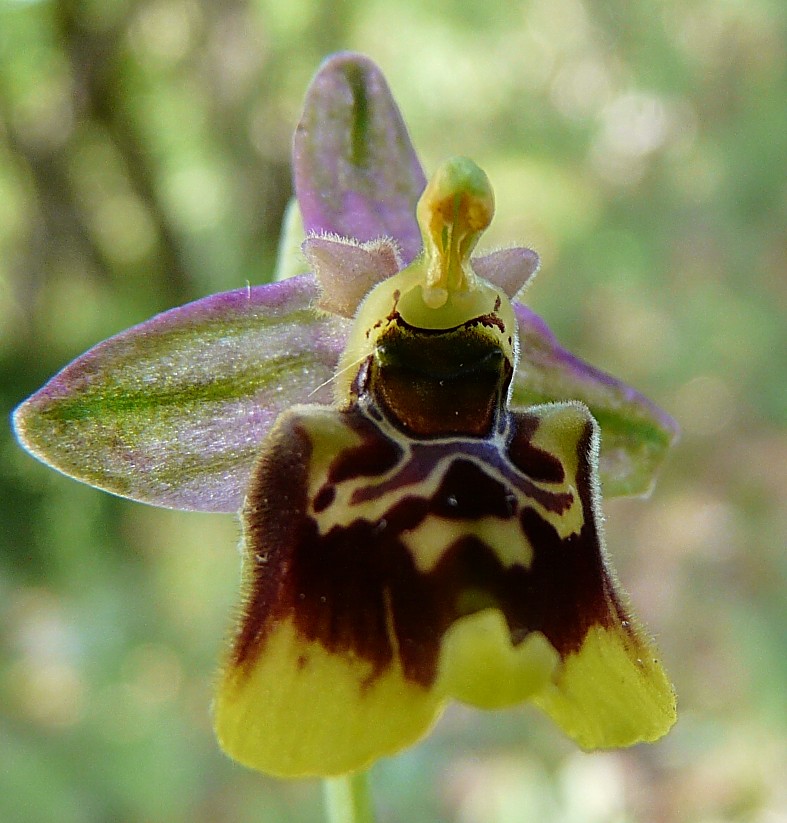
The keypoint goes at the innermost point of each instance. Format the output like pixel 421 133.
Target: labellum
pixel 420 540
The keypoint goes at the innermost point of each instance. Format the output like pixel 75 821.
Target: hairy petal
pixel 635 433
pixel 356 172
pixel 347 271
pixel 173 411
pixel 508 269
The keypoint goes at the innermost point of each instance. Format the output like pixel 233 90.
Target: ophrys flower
pixel 417 463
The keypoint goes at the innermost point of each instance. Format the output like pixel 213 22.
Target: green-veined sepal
pixel 172 412
pixel 356 172
pixel 635 433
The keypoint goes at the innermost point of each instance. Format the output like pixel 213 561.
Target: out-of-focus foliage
pixel 639 146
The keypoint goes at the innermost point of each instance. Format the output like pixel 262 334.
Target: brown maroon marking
pixel 274 517
pixel 570 571
pixel 375 455
pixel 360 385
pixel 338 587
pixel 489 320
pixel 324 497
pixel 467 492
pixel 536 463
pixel 424 457
pixel 454 385
pixel 423 406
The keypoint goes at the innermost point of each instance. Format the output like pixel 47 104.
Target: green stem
pixel 347 799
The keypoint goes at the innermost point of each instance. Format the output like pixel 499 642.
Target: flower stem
pixel 347 799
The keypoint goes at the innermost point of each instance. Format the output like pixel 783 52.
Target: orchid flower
pixel 417 462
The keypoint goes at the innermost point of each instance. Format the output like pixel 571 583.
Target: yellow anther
pixel 455 208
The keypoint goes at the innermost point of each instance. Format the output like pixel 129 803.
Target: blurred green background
pixel 640 147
